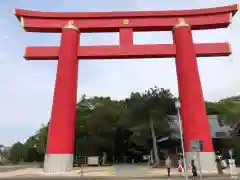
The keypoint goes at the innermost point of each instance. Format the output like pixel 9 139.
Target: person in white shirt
pixel 168 165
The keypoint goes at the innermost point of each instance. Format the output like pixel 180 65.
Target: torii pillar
pixel 60 146
pixel 193 111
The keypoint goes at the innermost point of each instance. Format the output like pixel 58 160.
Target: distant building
pixel 1 152
pixel 1 157
pixel 236 129
pixel 219 131
pixel 218 127
pixel 235 99
pixel 4 151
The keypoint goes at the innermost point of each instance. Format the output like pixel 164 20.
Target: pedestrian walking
pixel 100 160
pixel 180 165
pixel 219 165
pixel 194 170
pixel 168 165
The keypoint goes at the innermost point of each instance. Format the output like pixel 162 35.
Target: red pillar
pixel 60 146
pixel 193 110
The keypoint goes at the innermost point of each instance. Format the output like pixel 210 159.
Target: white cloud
pixel 6 37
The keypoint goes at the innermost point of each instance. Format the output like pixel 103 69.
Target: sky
pixel 26 87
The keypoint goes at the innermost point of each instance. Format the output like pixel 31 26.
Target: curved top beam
pixel 82 15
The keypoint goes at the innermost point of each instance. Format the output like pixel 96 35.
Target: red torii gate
pixel 60 146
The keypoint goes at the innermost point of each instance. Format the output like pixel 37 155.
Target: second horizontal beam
pixel 135 51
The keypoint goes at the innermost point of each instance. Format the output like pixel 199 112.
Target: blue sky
pixel 26 87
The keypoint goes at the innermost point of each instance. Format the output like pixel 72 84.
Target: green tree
pixel 151 107
pixel 96 124
pixel 41 139
pixel 35 146
pixel 17 152
pixel 228 110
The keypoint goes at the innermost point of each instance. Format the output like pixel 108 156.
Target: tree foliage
pixel 17 152
pixel 120 128
pixel 228 110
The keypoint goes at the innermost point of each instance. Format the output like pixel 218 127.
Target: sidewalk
pixel 107 173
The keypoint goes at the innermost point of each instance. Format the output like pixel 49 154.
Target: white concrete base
pixel 207 160
pixel 57 163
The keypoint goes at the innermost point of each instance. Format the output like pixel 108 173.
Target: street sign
pixel 196 146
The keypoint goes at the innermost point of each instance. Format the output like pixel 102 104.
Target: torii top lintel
pixel 198 19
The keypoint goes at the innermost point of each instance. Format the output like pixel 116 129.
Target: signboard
pixel 93 160
pixel 145 157
pixel 196 146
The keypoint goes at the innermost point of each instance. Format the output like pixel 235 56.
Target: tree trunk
pixel 155 147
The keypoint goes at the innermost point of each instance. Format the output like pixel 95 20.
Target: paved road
pixel 8 168
pixel 129 170
pixel 126 172
pixel 78 178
